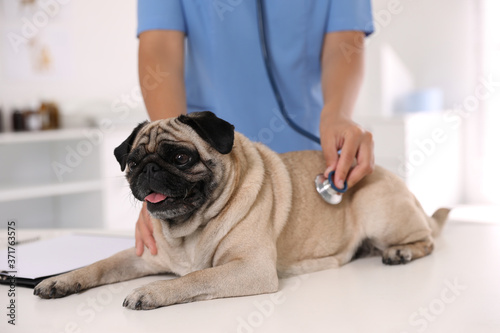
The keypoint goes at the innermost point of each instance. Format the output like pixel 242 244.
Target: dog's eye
pixel 181 159
pixel 131 165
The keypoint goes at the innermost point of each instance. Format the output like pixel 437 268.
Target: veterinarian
pixel 206 55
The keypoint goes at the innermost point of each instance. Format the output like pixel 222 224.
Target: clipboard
pixel 42 259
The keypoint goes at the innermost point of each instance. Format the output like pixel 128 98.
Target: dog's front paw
pixel 143 298
pixel 397 255
pixel 56 287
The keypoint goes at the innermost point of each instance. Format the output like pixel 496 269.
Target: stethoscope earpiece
pixel 327 189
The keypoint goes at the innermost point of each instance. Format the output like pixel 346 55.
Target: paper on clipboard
pixel 49 257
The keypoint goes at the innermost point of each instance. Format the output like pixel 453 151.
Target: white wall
pixel 100 56
pixel 437 40
pixel 439 43
pixel 491 67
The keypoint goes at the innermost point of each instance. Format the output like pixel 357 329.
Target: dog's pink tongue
pixel 155 197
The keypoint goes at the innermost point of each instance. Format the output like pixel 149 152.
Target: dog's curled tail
pixel 438 219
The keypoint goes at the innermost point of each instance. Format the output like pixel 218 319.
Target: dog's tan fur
pixel 266 220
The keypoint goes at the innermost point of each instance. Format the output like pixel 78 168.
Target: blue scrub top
pixel 225 71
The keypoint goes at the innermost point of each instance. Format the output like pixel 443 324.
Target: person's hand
pixel 144 233
pixel 340 132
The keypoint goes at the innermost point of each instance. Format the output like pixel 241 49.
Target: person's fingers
pixel 365 161
pixel 347 157
pixel 146 231
pixel 147 219
pixel 331 158
pixel 139 244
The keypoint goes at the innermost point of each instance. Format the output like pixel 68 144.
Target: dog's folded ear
pixel 122 151
pixel 217 132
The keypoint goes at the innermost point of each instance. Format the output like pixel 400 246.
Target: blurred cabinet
pixel 64 178
pixel 424 150
pixel 50 179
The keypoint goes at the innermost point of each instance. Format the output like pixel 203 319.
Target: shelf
pixel 44 136
pixel 40 191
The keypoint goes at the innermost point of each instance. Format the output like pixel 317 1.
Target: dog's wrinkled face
pixel 170 178
pixel 171 163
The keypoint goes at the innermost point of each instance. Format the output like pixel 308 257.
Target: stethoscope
pixel 325 186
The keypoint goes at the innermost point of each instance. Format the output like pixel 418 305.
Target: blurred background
pixel 69 94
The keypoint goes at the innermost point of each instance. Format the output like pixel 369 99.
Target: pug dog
pixel 231 217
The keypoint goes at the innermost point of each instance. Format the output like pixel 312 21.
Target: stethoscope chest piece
pixel 327 189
